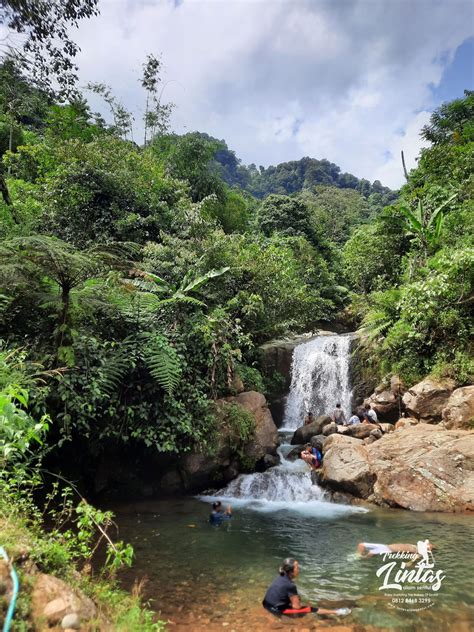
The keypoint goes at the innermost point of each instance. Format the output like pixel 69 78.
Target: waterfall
pixel 320 379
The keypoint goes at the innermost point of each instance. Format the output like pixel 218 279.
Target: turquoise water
pixel 190 562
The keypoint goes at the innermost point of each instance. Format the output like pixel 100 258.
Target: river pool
pixel 200 577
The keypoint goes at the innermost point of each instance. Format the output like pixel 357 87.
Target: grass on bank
pixel 33 550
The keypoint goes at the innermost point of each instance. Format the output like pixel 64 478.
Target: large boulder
pixel 424 468
pixel 318 441
pixel 200 470
pixel 295 453
pixel 265 440
pixel 459 409
pixel 304 433
pixel 427 399
pixel 330 429
pixel 361 431
pixel 346 467
pixel 386 404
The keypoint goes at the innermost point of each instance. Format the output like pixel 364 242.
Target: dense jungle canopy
pixel 143 277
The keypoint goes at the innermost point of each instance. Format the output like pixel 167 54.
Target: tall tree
pixel 46 50
pixel 157 114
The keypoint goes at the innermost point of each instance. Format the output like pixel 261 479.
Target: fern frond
pixel 162 361
pixel 114 369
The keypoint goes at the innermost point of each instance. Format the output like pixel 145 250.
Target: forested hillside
pixel 144 280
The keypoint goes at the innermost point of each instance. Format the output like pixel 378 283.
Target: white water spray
pixel 320 379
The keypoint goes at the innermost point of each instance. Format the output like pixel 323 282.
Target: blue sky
pixel 352 81
pixel 458 75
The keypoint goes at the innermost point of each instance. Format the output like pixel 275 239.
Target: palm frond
pixel 191 285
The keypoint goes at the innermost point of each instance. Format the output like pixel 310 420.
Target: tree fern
pixel 162 361
pixel 115 367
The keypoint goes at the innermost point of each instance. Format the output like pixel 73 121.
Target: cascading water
pixel 320 378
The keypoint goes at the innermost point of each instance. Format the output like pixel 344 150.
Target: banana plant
pixel 151 284
pixel 425 224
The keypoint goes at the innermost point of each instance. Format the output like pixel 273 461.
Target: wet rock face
pixel 277 355
pixel 426 400
pixel 304 433
pixel 265 440
pixel 459 409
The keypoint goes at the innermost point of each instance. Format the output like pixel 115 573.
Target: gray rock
pixel 295 453
pixel 55 610
pixel 330 429
pixel 361 431
pixel 377 433
pixel 387 427
pixel 318 442
pixel 303 434
pixel 71 621
pixel 270 460
pixel 386 404
pixel 370 439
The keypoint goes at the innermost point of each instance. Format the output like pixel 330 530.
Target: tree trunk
pixel 146 119
pixel 64 326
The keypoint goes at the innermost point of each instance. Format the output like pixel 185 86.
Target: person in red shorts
pixel 282 595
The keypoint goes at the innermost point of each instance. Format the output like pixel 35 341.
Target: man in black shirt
pixel 282 595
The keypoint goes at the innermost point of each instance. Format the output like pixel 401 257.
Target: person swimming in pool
pixel 282 594
pixel 369 549
pixel 218 515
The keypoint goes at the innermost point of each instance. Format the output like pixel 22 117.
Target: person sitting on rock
pixel 338 415
pixel 309 456
pixel 282 595
pixel 353 420
pixel 309 418
pixel 370 414
pixel 218 515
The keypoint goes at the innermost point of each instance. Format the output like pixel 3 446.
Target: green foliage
pixel 425 325
pixel 425 224
pixel 18 431
pixel 421 322
pixel 453 122
pixel 251 378
pixel 373 257
pixel 336 212
pixel 240 425
pixel 287 216
pixel 47 51
pixel 162 361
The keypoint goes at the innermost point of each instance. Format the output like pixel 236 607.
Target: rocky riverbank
pixel 423 462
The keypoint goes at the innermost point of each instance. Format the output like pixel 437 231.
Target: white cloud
pixel 347 81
